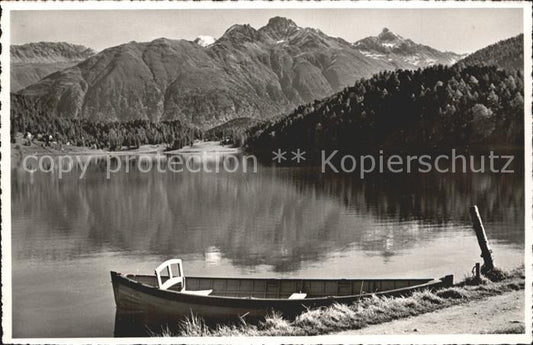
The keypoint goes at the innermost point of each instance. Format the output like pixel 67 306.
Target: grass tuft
pixel 496 274
pixel 194 326
pixel 428 297
pixel 275 324
pixel 452 293
pixel 473 280
pixel 164 332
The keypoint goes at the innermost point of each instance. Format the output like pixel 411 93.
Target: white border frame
pixel 5 166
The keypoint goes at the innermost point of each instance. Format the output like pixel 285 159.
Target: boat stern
pixel 115 281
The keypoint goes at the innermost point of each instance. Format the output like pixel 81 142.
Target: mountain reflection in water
pixel 279 216
pixel 292 221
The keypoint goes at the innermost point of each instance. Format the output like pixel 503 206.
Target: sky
pixel 457 30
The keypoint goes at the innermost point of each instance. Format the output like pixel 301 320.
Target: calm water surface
pixel 279 222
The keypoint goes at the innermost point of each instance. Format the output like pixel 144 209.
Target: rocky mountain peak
pixel 388 46
pixel 241 33
pixel 385 42
pixel 279 28
pixel 388 36
pixel 280 23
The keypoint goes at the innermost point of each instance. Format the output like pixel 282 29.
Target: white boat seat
pixel 197 292
pixel 298 295
pixel 174 270
pixel 175 275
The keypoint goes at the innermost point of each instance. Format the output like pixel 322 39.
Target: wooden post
pixel 478 270
pixel 486 252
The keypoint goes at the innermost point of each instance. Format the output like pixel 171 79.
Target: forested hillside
pixel 431 109
pixel 506 54
pixel 40 124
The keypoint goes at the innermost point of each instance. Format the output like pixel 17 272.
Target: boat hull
pixel 131 295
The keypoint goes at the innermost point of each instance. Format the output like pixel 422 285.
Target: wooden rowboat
pixel 169 292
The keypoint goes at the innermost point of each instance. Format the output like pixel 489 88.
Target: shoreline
pixel 200 149
pixel 431 311
pixel 205 147
pixel 197 147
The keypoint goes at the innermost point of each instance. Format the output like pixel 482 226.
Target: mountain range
pixel 33 61
pixel 247 72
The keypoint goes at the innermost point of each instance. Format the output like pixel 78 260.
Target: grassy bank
pixel 368 311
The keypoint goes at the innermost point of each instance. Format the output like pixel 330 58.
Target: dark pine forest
pixel 435 108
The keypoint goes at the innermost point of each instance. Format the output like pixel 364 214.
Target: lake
pixel 67 234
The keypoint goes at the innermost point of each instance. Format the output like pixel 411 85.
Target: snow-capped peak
pixel 205 41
